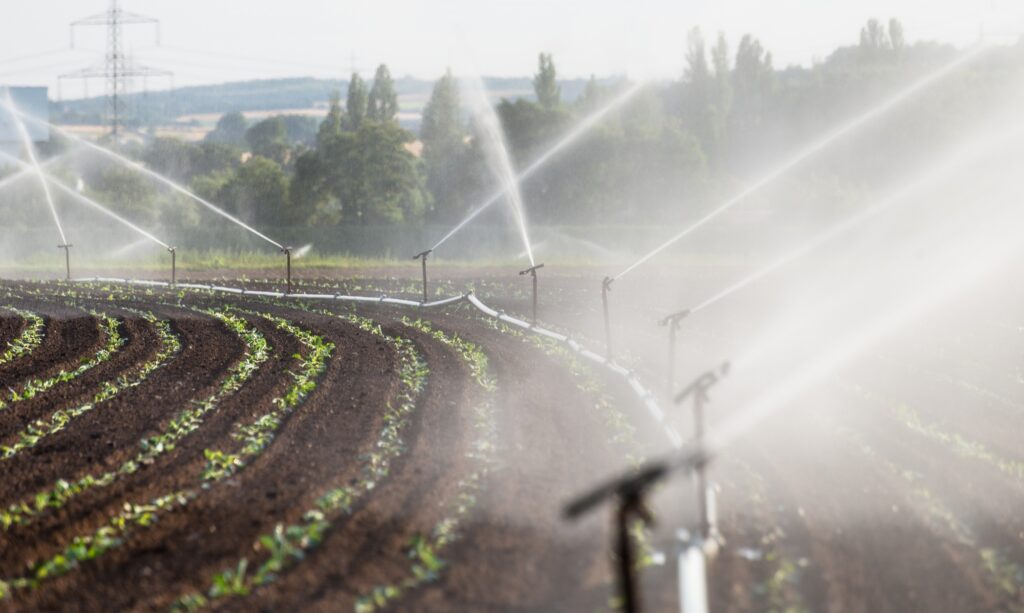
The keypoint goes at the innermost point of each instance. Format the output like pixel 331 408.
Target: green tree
pixel 230 129
pixel 258 194
pixel 373 176
pixel 126 192
pixel 355 106
pixel 300 131
pixel 269 139
pixel 545 83
pixel 592 97
pixel 753 85
pixel 382 104
pixel 332 124
pixel 896 36
pixel 181 161
pixel 873 37
pixel 698 88
pixel 444 149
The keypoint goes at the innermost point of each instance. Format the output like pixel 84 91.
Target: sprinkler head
pixel 674 318
pixel 531 271
pixel 422 254
pixel 703 383
pixel 630 486
pixel 286 250
pixel 606 283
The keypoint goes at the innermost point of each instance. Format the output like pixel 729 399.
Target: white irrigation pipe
pixel 693 584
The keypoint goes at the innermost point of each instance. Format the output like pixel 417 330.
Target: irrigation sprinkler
pixel 67 258
pixel 287 251
pixel 532 271
pixel 629 493
pixel 672 322
pixel 699 390
pixel 423 256
pixel 606 286
pixel 174 265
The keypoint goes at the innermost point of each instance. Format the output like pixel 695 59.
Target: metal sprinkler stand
pixel 423 256
pixel 174 266
pixel 67 258
pixel 288 256
pixel 699 389
pixel 672 322
pixel 629 492
pixel 532 271
pixel 606 286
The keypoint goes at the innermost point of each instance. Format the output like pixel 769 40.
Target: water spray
pixel 423 256
pixel 150 173
pixel 672 322
pixel 30 151
pixel 571 137
pixel 699 390
pixel 532 271
pixel 606 286
pixel 812 149
pixel 67 259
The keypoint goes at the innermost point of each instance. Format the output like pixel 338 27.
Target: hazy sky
pixel 215 40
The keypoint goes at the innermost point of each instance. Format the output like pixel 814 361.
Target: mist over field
pixel 517 314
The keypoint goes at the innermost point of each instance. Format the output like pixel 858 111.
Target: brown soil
pixel 811 517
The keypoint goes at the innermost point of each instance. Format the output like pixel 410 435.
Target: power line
pixel 117 68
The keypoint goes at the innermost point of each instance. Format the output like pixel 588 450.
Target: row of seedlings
pixel 287 545
pixel 187 421
pixel 37 430
pixel 29 339
pixel 254 438
pixel 425 551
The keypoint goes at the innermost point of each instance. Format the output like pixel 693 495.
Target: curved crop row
pixel 960 445
pixel 425 550
pixel 29 339
pixel 1002 573
pixel 114 342
pixel 257 351
pixel 257 435
pixel 170 344
pixel 113 534
pixel 288 545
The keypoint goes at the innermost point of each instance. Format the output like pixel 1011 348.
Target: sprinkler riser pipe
pixel 423 256
pixel 534 275
pixel 628 591
pixel 671 359
pixel 288 269
pixel 67 260
pixel 174 267
pixel 606 286
pixel 701 475
pixel 532 271
pixel 424 278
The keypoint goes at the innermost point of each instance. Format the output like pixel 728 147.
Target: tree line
pixel 672 149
